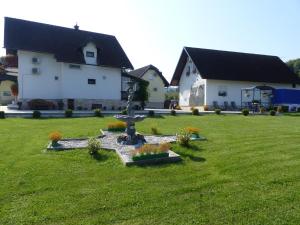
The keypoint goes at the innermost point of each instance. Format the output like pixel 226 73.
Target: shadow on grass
pixel 192 157
pixel 293 115
pixel 99 157
pixel 156 117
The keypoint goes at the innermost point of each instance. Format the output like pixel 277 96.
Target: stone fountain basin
pixel 126 118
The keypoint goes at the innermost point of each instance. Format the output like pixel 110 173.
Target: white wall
pixel 234 90
pixel 187 82
pixel 71 83
pixel 75 82
pixel 91 48
pixel 41 85
pixel 155 81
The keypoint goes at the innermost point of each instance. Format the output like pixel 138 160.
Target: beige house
pixel 157 84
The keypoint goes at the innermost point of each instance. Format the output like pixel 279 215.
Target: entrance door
pixel 71 104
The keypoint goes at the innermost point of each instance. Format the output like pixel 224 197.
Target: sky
pixel 155 31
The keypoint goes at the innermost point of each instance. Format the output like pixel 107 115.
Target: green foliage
pixel 98 113
pixel 245 112
pixel 36 114
pixel 173 112
pixel 93 146
pixel 218 111
pixel 154 130
pixel 151 113
pixel 294 65
pixel 195 112
pixel 142 92
pixel 124 112
pixel 272 112
pixel 183 138
pixel 68 113
pixel 2 115
pixel 172 96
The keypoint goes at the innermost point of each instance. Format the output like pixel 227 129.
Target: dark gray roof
pixel 141 71
pixel 235 66
pixel 65 43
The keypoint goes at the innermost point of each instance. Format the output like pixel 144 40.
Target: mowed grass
pixel 247 172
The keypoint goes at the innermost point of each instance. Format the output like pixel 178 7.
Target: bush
pixel 245 112
pixel 55 136
pixel 36 114
pixel 124 112
pixel 195 112
pixel 183 138
pixel 154 130
pixel 68 113
pixel 272 112
pixel 97 113
pixel 93 146
pixel 116 126
pixel 2 115
pixel 173 112
pixel 40 104
pixel 218 111
pixel 151 113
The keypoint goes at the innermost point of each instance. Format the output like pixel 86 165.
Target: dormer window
pixel 90 54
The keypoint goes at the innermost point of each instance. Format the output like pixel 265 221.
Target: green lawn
pixel 248 172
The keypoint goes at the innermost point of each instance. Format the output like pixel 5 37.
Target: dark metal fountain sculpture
pixel 131 137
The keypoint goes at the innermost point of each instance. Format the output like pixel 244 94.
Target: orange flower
pixel 55 136
pixel 192 130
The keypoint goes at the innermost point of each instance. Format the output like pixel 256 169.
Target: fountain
pixel 131 137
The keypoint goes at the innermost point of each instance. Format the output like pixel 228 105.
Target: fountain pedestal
pixel 131 137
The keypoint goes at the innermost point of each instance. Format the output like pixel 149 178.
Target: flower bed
pixel 116 126
pixel 150 151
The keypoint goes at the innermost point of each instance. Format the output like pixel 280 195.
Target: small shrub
pixel 173 112
pixel 93 146
pixel 68 113
pixel 55 136
pixel 183 138
pixel 151 113
pixel 116 126
pixel 36 114
pixel 2 115
pixel 195 112
pixel 272 112
pixel 98 113
pixel 154 130
pixel 205 108
pixel 218 111
pixel 124 112
pixel 245 112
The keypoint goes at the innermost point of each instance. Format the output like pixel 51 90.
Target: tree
pixel 294 65
pixel 142 92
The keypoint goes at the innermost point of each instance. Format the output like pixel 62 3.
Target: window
pixel 55 77
pixel 90 54
pixel 73 66
pixel 155 89
pixel 91 81
pixel 222 91
pixel 6 93
pixel 188 71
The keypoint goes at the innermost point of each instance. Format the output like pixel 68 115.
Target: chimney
pixel 76 27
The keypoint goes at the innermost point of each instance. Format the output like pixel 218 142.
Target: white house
pixel 228 79
pixel 82 69
pixel 157 85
